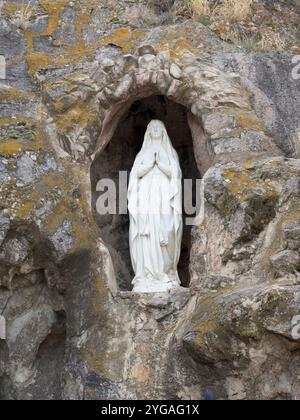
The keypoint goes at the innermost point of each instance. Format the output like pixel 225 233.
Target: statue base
pixel 153 285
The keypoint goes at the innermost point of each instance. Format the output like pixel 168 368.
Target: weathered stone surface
pixel 211 284
pixel 175 71
pixel 4 226
pixel 11 41
pixel 286 261
pixel 146 49
pixel 25 335
pixel 245 316
pixel 2 328
pixel 269 78
pixel 14 251
pixel 292 230
pixel 62 240
pixel 75 72
pixel 218 124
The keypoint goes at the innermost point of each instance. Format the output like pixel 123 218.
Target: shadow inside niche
pixel 119 155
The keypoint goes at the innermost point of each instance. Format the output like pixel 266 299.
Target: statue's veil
pixel 166 142
pixel 175 196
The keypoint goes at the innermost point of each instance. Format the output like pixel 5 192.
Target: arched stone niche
pixel 119 154
pixel 208 115
pixel 232 129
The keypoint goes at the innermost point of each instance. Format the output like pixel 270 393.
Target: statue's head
pixel 156 137
pixel 156 130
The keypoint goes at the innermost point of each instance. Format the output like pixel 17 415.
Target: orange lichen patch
pixel 249 163
pixel 162 47
pixel 182 40
pixel 166 48
pixel 82 115
pixel 54 10
pixel 60 105
pixel 30 202
pixel 26 209
pixel 140 372
pixel 178 48
pixel 184 45
pixel 75 54
pixel 40 60
pixel 64 85
pixel 124 38
pixel 243 185
pixel 174 54
pixel 82 20
pixel 10 147
pixel 272 163
pixel 15 95
pixel 204 328
pixel 250 121
pixel 71 79
pixel 276 163
pixel 76 51
pixel 29 37
pixel 239 184
pixel 37 61
pixel 293 215
pixel 59 213
pixel 236 176
pixel 63 209
pixel 12 7
pixel 82 235
pixel 17 119
pixel 190 34
pixel 121 33
pixel 249 97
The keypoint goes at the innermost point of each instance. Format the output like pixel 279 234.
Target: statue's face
pixel 156 131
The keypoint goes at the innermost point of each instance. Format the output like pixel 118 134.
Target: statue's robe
pixel 155 209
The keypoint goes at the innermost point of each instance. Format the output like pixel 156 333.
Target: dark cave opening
pixel 119 155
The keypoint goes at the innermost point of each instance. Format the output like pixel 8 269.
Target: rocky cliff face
pixel 80 81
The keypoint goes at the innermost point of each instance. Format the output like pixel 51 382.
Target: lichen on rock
pixel 77 72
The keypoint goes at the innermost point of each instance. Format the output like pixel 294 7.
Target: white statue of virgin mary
pixel 155 210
